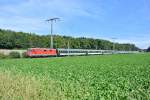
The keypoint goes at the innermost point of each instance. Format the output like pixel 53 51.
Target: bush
pixel 14 55
pixel 24 55
pixel 2 56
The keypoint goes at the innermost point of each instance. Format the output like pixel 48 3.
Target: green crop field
pixel 105 77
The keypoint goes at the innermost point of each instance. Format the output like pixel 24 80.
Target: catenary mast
pixel 52 20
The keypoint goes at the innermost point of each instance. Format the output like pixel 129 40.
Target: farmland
pixel 105 77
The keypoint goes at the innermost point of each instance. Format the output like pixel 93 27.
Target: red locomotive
pixel 41 52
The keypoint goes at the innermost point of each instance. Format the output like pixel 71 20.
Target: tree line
pixel 148 49
pixel 20 40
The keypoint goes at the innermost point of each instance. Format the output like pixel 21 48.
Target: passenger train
pixel 45 52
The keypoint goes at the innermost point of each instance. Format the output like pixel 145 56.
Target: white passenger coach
pixel 65 52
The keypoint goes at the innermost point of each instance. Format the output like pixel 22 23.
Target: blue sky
pixel 126 20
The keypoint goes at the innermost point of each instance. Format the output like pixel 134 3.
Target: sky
pixel 126 20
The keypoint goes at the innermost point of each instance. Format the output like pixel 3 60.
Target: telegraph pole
pixel 52 20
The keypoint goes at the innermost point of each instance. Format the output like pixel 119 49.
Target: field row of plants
pixel 105 77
